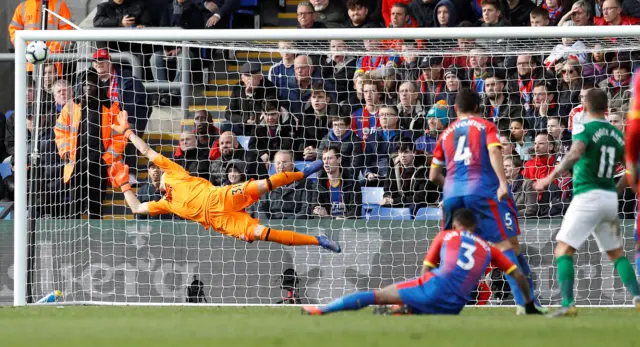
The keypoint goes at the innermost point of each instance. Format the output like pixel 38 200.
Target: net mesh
pixel 286 104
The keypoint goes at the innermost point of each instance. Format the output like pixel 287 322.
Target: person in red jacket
pixel 612 15
pixel 386 9
pixel 539 167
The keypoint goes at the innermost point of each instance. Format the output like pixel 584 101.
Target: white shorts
pixel 592 213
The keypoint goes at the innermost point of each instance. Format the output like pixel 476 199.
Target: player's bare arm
pixel 435 175
pixel 123 128
pixel 496 158
pixel 134 204
pixel 623 183
pixel 567 163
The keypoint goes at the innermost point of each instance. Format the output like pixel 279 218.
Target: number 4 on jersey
pixel 462 151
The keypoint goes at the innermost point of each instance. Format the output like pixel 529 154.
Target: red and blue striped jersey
pixel 464 149
pixel 460 259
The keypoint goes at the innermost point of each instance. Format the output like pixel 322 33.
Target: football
pixel 37 52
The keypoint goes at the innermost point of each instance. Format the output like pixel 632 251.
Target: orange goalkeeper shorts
pixel 226 212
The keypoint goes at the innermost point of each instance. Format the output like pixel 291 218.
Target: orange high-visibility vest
pixel 27 16
pixel 67 127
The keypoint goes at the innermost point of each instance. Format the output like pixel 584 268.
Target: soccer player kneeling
pixel 597 147
pixel 221 208
pixel 453 266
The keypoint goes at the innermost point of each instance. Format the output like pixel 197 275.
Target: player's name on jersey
pixel 463 123
pixel 607 132
pixel 455 233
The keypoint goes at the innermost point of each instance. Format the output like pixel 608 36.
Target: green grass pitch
pixel 257 327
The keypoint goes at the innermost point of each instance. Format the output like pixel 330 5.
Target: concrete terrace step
pixel 275 56
pixel 193 108
pixel 216 93
pixel 235 68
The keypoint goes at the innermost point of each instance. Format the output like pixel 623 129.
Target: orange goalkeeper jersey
pixel 186 196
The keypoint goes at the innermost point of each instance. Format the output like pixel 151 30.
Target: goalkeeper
pixel 221 208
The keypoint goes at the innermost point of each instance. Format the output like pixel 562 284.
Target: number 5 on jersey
pixel 463 153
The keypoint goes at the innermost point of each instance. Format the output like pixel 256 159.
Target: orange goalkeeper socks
pixel 288 238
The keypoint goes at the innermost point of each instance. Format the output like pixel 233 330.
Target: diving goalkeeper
pixel 220 208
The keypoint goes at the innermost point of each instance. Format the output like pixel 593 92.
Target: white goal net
pixel 231 106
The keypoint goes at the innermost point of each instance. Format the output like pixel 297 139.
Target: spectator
pixel 554 9
pixel 513 172
pixel 410 110
pixel 521 138
pixel 204 129
pixel 519 12
pixel 387 8
pixel 423 11
pixel 595 69
pixel 87 144
pixel 455 81
pixel 508 149
pixel 150 191
pixel 544 106
pixel 570 87
pixel 408 184
pixel 126 93
pixel 331 13
pixel 478 61
pixel 122 13
pixel 539 167
pixel 382 146
pixel 298 89
pixel 617 85
pixel 49 77
pixel 220 12
pixel 293 201
pixel 437 121
pixel 580 14
pixel 185 14
pixel 612 15
pixel 339 193
pixel 409 68
pixel 578 114
pixel 307 17
pixel 369 63
pixel 501 107
pixel 539 17
pixel 273 134
pixel 191 158
pixel 618 119
pixel 247 97
pixel 339 69
pixel 631 8
pixel 316 119
pixel 9 131
pixel 348 143
pixel 359 15
pixel 431 81
pixel 27 16
pixel 400 18
pixel 492 14
pixel 558 131
pixel 280 72
pixel 528 72
pixel 62 94
pixel 365 120
pixel 445 14
pixel 230 150
pixel 357 99
pixel 459 54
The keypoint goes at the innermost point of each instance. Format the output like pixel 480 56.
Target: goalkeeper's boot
pixel 312 168
pixel 569 311
pixel 636 302
pixel 328 243
pixel 311 311
pixel 391 310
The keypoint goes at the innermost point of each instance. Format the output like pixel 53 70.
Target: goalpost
pixel 141 262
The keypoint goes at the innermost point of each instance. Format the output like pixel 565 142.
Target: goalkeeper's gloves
pixel 119 176
pixel 530 308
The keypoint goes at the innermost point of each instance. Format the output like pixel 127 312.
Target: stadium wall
pixel 154 261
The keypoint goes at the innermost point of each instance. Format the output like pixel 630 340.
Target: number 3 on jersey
pixel 463 153
pixel 466 261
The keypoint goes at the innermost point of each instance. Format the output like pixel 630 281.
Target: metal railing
pixel 184 86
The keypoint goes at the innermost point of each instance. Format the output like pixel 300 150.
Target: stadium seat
pixel 429 213
pixel 372 195
pixel 385 213
pixel 244 141
pixel 368 211
pixel 300 165
pixel 5 170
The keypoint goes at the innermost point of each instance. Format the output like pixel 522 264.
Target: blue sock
pixel 517 294
pixel 523 264
pixel 353 301
pixel 638 262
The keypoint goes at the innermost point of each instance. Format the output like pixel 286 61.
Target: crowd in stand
pixel 372 119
